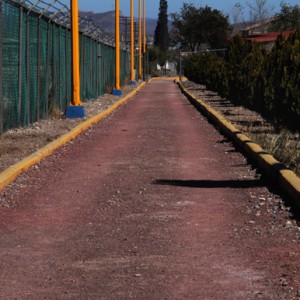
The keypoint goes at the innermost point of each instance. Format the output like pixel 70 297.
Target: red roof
pixel 267 37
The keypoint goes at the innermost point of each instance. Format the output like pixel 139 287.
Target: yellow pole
pixel 132 75
pixel 144 50
pixel 144 40
pixel 75 54
pixel 140 42
pixel 117 90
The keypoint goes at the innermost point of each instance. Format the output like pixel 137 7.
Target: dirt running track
pixel 152 203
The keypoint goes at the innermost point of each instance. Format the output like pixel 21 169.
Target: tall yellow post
pixel 75 51
pixel 75 110
pixel 140 42
pixel 117 91
pixel 144 35
pixel 132 75
pixel 144 39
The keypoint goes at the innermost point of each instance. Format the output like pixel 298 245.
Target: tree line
pixel 267 82
pixel 195 27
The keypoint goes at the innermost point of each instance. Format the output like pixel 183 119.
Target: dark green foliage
pixel 211 73
pixel 195 26
pixel 214 26
pixel 288 18
pixel 244 64
pixel 252 77
pixel 283 89
pixel 161 35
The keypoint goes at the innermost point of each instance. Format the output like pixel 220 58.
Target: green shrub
pixel 252 77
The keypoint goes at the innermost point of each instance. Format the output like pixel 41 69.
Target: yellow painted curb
pixel 286 179
pixel 10 174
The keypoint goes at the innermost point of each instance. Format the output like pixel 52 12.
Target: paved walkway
pixel 152 203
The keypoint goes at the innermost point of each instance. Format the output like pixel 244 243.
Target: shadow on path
pixel 210 183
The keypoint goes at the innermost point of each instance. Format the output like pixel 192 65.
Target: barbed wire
pixel 59 13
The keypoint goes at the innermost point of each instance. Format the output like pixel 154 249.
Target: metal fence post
pixel 28 69
pixel 97 68
pixel 47 68
pixel 180 75
pixel 20 67
pixel 60 69
pixel 84 66
pixel 54 83
pixel 100 70
pixel 1 92
pixel 91 67
pixel 66 66
pixel 38 71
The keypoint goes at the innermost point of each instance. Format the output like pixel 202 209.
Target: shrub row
pixel 268 82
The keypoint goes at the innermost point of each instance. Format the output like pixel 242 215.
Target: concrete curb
pixel 10 174
pixel 286 179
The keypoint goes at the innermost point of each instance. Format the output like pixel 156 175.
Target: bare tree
pixel 260 10
pixel 237 13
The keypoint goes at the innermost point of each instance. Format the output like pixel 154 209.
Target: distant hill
pixel 106 21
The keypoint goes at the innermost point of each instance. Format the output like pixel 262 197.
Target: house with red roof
pixel 261 33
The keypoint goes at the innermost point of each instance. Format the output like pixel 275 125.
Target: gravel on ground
pixel 151 203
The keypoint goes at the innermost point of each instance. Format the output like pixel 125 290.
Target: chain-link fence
pixel 35 55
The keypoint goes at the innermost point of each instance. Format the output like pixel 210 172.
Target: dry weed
pixel 283 145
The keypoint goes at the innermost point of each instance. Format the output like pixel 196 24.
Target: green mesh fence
pixel 22 72
pixel 43 71
pixel 36 71
pixel 10 65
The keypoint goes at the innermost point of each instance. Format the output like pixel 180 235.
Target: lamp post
pixel 132 75
pixel 75 109
pixel 117 90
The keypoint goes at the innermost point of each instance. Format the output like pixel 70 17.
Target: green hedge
pixel 268 82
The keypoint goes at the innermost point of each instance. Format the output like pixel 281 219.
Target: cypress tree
pixel 161 35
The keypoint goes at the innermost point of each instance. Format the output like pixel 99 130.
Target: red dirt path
pixel 152 203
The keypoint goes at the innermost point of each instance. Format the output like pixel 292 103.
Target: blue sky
pixel 152 6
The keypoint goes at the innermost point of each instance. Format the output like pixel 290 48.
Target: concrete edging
pixel 11 173
pixel 286 179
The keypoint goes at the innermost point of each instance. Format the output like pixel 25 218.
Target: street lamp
pixel 117 90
